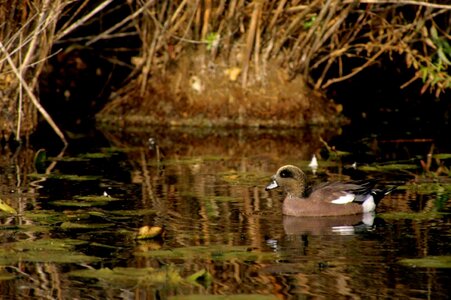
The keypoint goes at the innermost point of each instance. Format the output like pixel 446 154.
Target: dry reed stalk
pixel 250 40
pixel 25 46
pixel 301 36
pixel 30 93
pixel 207 13
pixel 106 33
pixel 66 29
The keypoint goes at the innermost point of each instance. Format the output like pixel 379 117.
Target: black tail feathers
pixel 378 194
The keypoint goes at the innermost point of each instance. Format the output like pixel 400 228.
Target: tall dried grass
pixel 26 38
pixel 301 36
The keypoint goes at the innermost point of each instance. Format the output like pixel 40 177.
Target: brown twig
pixel 250 40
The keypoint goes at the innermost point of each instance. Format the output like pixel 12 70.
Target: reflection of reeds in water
pixel 209 193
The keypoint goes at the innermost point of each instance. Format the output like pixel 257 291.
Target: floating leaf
pixel 214 252
pixel 96 198
pixel 148 232
pixel 6 208
pixel 134 212
pixel 6 276
pixel 44 250
pixel 410 215
pixel 71 177
pixel 69 159
pixel 74 177
pixel 442 155
pixel 388 167
pixel 96 155
pixel 70 225
pixel 39 160
pixel 202 277
pixel 133 276
pixel 48 217
pixel 73 203
pixel 428 262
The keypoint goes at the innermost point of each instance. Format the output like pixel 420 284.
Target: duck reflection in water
pixel 342 225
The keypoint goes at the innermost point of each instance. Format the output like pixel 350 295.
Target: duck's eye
pixel 286 173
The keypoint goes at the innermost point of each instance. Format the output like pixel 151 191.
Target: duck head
pixel 290 178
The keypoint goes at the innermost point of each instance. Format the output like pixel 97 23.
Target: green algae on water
pixel 44 250
pixel 85 201
pixel 429 215
pixel 214 252
pixel 68 177
pixel 428 262
pixel 131 277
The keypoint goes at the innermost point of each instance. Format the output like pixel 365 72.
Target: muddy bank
pixel 194 93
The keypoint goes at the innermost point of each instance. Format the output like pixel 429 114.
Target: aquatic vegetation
pixel 427 215
pixel 96 155
pixel 428 262
pixel 40 159
pixel 132 212
pixel 86 201
pixel 45 217
pixel 214 252
pixel 387 167
pixel 96 198
pixel 224 236
pixel 72 225
pixel 74 203
pixel 71 177
pixel 149 232
pixel 44 250
pixel 134 277
pixel 6 208
pixel 201 277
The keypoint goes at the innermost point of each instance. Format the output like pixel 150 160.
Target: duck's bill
pixel 272 185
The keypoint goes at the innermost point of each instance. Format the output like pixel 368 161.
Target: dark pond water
pixel 75 235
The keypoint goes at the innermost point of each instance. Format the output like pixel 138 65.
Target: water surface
pixel 75 234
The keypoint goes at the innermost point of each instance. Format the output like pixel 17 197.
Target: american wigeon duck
pixel 326 199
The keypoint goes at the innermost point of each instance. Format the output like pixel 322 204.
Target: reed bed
pixel 26 37
pixel 252 49
pixel 299 35
pixel 314 44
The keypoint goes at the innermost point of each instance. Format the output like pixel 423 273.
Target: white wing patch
pixel 344 199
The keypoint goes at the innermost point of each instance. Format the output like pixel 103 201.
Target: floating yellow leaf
pixel 148 232
pixel 6 208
